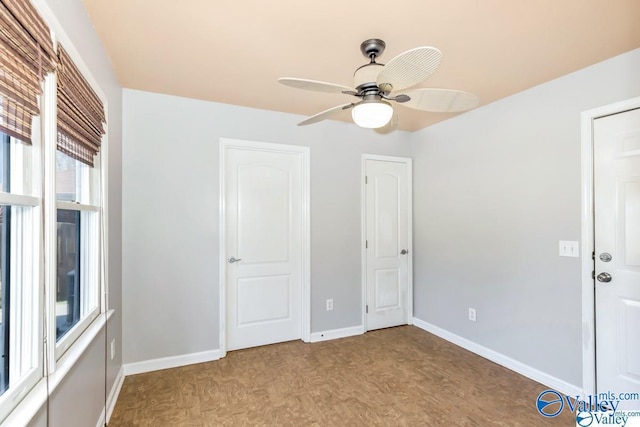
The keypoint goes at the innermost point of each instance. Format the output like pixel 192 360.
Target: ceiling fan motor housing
pixel 366 76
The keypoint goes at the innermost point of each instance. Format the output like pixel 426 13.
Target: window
pixel 80 128
pixel 77 300
pixel 26 55
pixel 21 363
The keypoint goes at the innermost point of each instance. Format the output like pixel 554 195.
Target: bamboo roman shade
pixel 26 55
pixel 80 113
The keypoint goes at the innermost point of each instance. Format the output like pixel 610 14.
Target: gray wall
pixel 170 216
pixel 84 387
pixel 79 400
pixel 83 384
pixel 495 190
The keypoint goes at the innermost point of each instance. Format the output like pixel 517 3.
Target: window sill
pixel 35 400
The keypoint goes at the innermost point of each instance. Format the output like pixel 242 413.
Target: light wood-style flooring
pixel 400 376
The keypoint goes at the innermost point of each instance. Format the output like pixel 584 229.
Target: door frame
pixel 363 231
pixel 305 301
pixel 588 236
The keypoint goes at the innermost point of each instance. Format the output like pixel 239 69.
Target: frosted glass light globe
pixel 372 114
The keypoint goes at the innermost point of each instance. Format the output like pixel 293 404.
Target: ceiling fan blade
pixel 316 85
pixel 325 114
pixel 441 100
pixel 410 68
pixel 389 127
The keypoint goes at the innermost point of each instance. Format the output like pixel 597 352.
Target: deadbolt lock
pixel 605 257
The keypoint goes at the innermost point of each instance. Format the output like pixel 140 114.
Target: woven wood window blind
pixel 26 55
pixel 80 113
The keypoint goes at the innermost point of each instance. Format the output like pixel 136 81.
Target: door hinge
pixel 593 274
pixel 366 179
pixel 367 308
pixel 366 244
pixel 593 256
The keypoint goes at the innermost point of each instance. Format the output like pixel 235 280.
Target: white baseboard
pixel 509 363
pixel 114 393
pixel 171 362
pixel 101 422
pixel 337 333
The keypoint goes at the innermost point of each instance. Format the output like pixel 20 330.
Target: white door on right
pixel 387 237
pixel 617 253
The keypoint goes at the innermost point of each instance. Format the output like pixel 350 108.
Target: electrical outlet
pixel 113 348
pixel 329 304
pixel 472 314
pixel 569 248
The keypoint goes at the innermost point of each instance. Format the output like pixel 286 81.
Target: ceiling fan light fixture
pixel 374 83
pixel 372 114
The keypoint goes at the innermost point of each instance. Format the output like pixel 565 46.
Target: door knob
pixel 233 259
pixel 604 277
pixel 404 252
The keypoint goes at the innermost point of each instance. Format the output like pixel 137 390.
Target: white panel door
pixel 387 239
pixel 617 233
pixel 263 238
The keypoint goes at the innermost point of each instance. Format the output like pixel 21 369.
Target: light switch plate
pixel 330 304
pixel 569 248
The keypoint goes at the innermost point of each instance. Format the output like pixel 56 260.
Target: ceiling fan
pixel 376 84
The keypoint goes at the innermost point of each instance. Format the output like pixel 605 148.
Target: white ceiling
pixel 233 51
